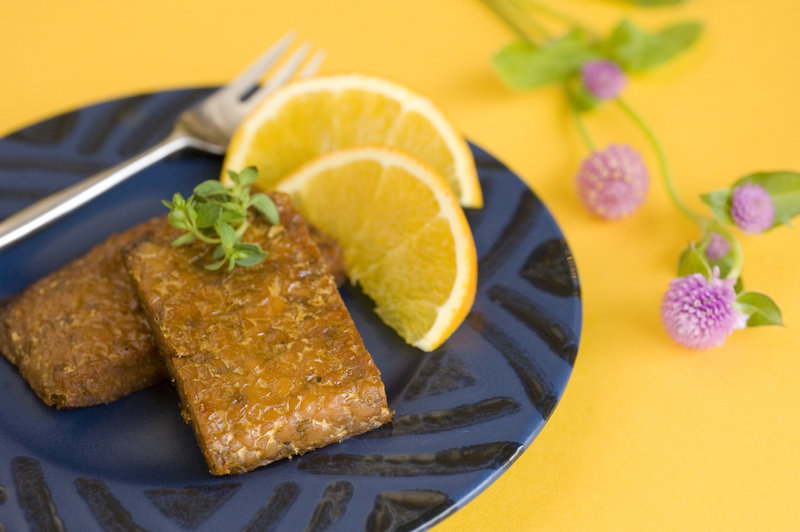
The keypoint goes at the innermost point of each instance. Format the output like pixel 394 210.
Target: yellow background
pixel 648 436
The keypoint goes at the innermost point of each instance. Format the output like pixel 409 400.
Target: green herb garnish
pixel 217 214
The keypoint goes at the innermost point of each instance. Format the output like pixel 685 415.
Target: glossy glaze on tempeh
pixel 266 359
pixel 77 335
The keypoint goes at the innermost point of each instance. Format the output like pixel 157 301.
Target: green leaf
pixel 177 219
pixel 191 211
pixel 248 176
pixel 246 247
pixel 783 187
pixel 760 308
pixel 693 261
pixel 216 265
pixel 244 197
pixel 249 254
pixel 720 203
pixel 523 65
pixel 178 201
pixel 234 206
pixel 580 98
pixel 227 234
pixel 208 214
pixel 266 207
pixel 177 215
pixel 211 187
pixel 725 264
pixel 251 260
pixel 738 288
pixel 636 50
pixel 183 239
pixel 232 217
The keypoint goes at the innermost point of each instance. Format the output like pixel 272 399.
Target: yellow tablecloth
pixel 648 436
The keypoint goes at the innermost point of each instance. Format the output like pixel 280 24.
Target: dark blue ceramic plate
pixel 463 413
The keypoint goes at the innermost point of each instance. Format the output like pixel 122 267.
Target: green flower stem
pixel 516 14
pixel 736 249
pixel 515 17
pixel 706 224
pixel 207 239
pixel 242 228
pixel 558 15
pixel 579 124
pixel 666 175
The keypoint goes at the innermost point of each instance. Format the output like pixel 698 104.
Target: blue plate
pixel 463 413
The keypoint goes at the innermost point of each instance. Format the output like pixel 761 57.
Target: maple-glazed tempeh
pixel 266 359
pixel 77 335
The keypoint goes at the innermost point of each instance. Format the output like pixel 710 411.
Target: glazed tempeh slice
pixel 77 335
pixel 266 359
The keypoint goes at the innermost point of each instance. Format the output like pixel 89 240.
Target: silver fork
pixel 206 126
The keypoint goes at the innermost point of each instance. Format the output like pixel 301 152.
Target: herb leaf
pixel 636 50
pixel 208 214
pixel 266 207
pixel 232 217
pixel 227 235
pixel 183 239
pixel 216 214
pixel 211 188
pixel 247 176
pixel 248 254
pixel 523 65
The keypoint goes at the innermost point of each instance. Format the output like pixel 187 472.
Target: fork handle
pixel 58 204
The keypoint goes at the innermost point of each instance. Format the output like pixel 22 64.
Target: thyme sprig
pixel 217 214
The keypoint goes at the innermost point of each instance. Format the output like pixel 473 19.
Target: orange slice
pixel 405 238
pixel 313 116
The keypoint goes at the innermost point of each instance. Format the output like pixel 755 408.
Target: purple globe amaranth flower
pixel 603 79
pixel 718 246
pixel 698 313
pixel 752 208
pixel 613 183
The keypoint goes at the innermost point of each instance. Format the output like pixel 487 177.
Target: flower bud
pixel 718 246
pixel 752 209
pixel 603 79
